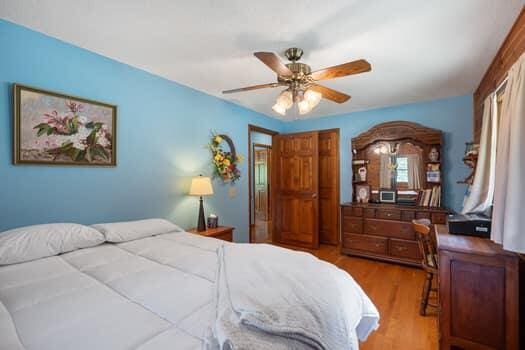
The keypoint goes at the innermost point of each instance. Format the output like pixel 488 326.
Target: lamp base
pixel 201 222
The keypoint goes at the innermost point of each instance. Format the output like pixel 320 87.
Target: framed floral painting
pixel 56 129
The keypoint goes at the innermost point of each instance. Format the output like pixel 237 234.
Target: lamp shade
pixel 201 186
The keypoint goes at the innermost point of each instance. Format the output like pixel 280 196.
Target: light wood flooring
pixel 395 290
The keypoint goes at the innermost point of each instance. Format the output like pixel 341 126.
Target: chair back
pixel 426 244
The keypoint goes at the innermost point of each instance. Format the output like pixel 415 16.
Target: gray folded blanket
pixel 274 298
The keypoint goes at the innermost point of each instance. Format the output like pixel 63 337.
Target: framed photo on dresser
pixel 362 193
pixel 56 129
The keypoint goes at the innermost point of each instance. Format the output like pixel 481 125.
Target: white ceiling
pixel 419 50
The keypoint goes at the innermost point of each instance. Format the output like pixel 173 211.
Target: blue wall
pixel 163 128
pixel 452 115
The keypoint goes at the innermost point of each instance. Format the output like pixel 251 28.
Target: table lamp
pixel 201 186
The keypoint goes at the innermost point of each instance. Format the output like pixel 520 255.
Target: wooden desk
pixel 478 293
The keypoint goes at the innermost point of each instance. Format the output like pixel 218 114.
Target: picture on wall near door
pixel 56 129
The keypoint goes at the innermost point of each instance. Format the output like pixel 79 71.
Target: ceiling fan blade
pixel 271 60
pixel 355 67
pixel 254 87
pixel 330 94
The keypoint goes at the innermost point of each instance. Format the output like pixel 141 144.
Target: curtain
pixel 414 171
pixel 385 177
pixel 481 193
pixel 508 220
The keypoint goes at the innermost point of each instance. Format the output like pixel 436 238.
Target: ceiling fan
pixel 301 82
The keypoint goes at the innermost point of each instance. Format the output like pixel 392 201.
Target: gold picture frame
pixel 51 128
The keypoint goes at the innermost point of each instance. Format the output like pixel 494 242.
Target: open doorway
pixel 260 182
pixel 262 155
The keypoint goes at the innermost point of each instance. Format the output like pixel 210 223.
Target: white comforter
pixel 152 293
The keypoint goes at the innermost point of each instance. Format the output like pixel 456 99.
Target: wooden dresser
pixel 478 293
pixel 384 231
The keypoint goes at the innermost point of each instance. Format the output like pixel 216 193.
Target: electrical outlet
pixel 232 192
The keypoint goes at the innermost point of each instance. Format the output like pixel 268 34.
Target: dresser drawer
pixel 378 245
pixel 423 215
pixel 439 218
pixel 388 214
pixel 370 213
pixel 408 215
pixel 352 225
pixel 404 249
pixel 352 211
pixel 396 229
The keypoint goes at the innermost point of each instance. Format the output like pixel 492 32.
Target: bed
pixel 158 289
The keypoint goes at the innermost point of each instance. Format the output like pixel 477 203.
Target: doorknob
pixel 314 195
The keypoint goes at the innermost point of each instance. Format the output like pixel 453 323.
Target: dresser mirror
pixel 395 165
pixel 400 156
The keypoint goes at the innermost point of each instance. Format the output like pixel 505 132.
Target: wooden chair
pixel 427 247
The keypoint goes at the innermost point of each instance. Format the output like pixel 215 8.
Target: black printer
pixel 469 224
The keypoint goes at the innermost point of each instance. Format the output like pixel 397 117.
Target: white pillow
pixel 129 230
pixel 40 241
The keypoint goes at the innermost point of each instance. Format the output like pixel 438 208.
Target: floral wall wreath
pixel 225 162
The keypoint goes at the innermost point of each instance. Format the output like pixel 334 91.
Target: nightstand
pixel 222 232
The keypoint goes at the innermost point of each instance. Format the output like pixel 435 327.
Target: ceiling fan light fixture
pixel 285 99
pixel 302 87
pixel 277 108
pixel 313 97
pixel 304 106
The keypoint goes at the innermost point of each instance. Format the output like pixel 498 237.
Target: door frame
pixel 268 176
pixel 261 130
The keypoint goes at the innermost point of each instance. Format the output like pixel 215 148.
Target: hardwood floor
pixel 396 291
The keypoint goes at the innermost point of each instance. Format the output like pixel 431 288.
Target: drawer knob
pixel 388 214
pixel 378 245
pixel 400 249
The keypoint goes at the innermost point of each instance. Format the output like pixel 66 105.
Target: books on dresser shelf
pixel 407 197
pixel 430 197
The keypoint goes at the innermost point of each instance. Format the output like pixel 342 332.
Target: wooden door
pixel 295 189
pixel 329 186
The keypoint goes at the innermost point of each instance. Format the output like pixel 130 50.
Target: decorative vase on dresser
pixel 396 154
